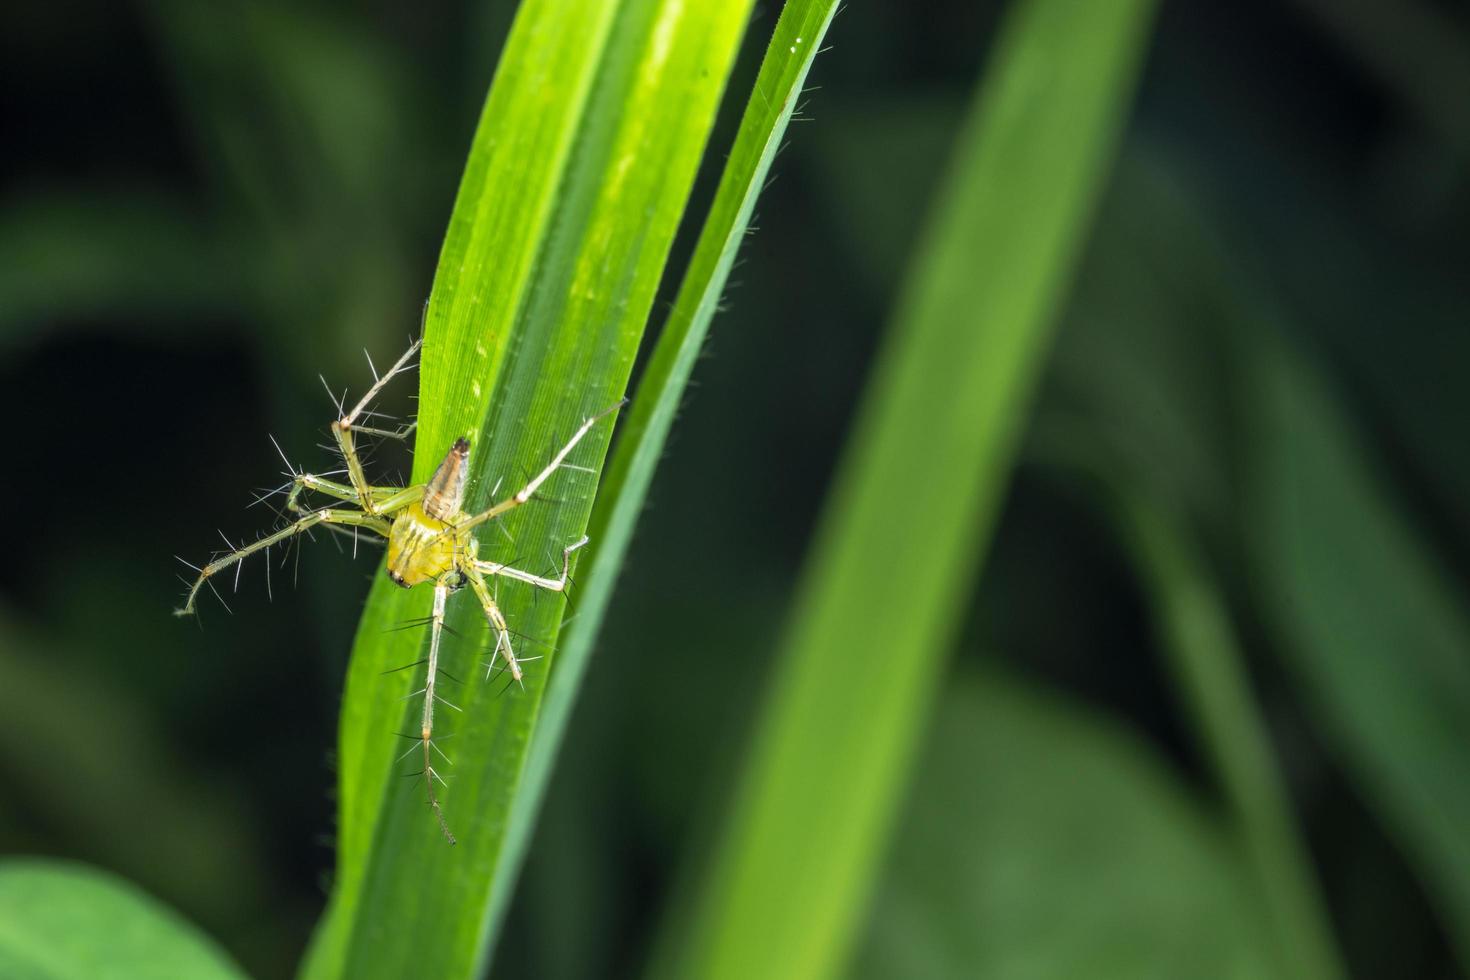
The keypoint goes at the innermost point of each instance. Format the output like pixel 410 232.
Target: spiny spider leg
pixel 526 492
pixel 386 500
pixel 558 584
pixel 400 433
pixel 497 622
pixel 441 593
pixel 343 428
pixel 329 516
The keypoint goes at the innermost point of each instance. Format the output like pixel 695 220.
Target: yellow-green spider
pixel 430 539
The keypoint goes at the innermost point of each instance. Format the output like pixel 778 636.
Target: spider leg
pixel 497 622
pixel 344 427
pixel 402 432
pixel 436 631
pixel 329 517
pixel 526 492
pixel 558 584
pixel 386 500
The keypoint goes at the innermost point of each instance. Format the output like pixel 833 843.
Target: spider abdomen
pixel 444 493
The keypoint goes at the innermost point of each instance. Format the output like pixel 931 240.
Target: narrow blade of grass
pixel 914 501
pixel 1208 668
pixel 798 36
pixel 1367 618
pixel 580 169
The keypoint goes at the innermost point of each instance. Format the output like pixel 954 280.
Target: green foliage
pixel 112 777
pixel 579 171
pixel 1205 657
pixel 1044 842
pixel 1367 621
pixel 1278 528
pixel 63 921
pixel 794 45
pixel 1356 604
pixel 916 498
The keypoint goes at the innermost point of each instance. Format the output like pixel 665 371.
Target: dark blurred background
pixel 204 206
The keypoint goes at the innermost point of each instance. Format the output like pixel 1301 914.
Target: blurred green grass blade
pixel 794 44
pixel 1368 621
pixel 126 255
pixel 1135 405
pixel 1209 669
pixel 579 172
pixel 1046 842
pixel 60 920
pixel 109 778
pixel 914 501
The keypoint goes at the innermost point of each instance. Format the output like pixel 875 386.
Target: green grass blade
pixel 798 35
pixel 1209 669
pixel 579 172
pixel 1367 618
pixel 63 920
pixel 914 501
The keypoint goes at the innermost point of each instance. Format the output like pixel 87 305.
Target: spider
pixel 430 539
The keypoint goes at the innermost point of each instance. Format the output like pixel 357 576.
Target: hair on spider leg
pixel 492 672
pixel 433 803
pixel 220 597
pixel 511 681
pixel 520 638
pixel 433 744
pixel 208 581
pixel 263 495
pixel 504 532
pixel 417 737
pixel 290 467
pixel 199 620
pixel 417 746
pixel 452 678
pixel 336 541
pixel 413 624
pixel 336 402
pixel 395 670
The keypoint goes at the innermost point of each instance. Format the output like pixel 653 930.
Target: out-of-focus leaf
pixel 1140 380
pixel 874 205
pixel 63 921
pixel 1138 401
pixel 1044 843
pixel 915 497
pixel 579 172
pixel 1170 355
pixel 133 257
pixel 85 760
pixel 1368 620
pixel 313 167
pixel 1208 666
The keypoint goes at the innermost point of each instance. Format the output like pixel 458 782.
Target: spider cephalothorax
pixel 426 539
pixel 430 539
